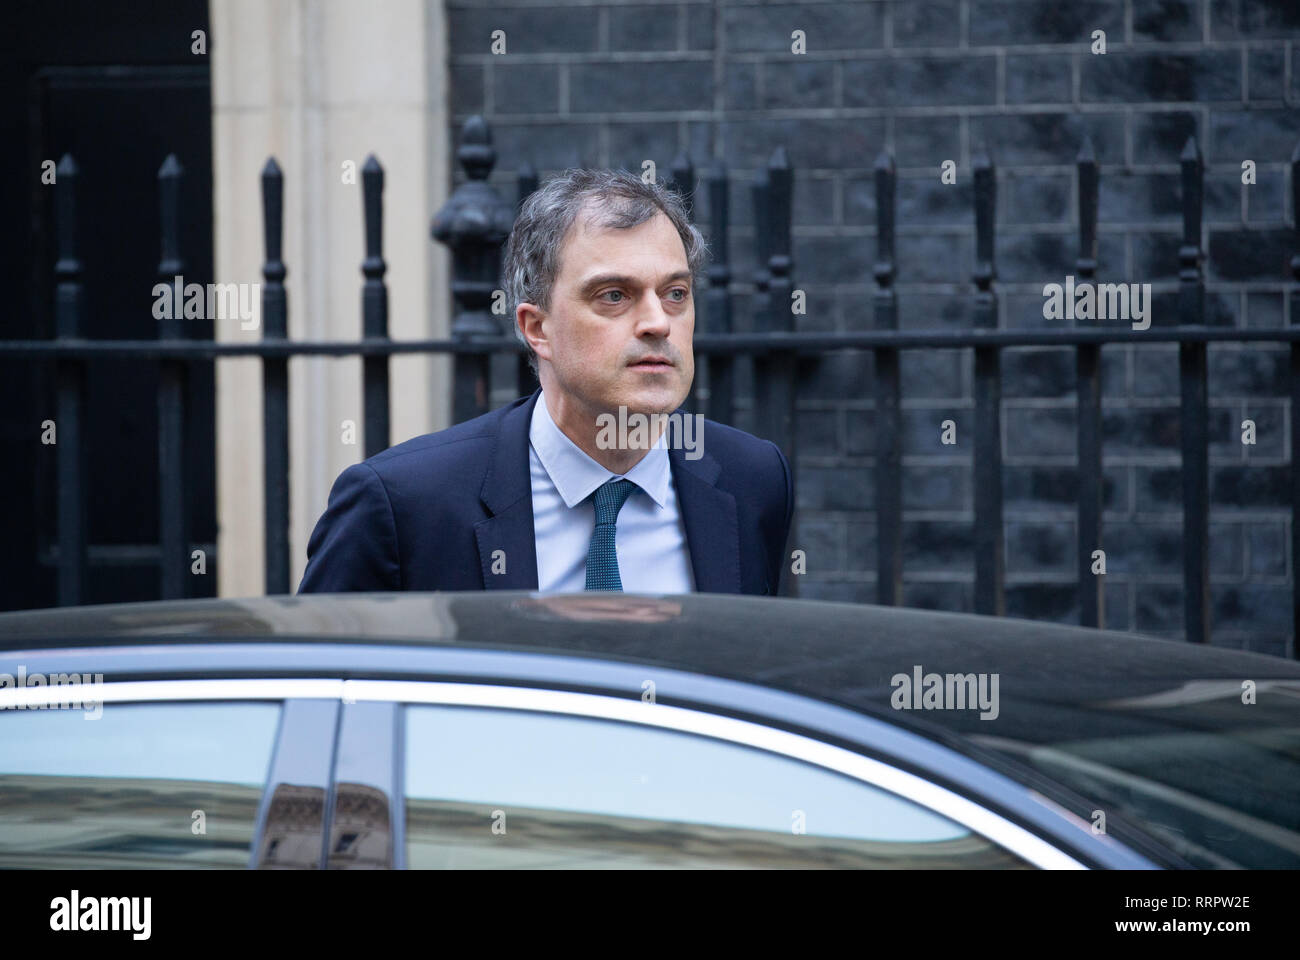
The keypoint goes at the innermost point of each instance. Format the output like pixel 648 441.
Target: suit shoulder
pixel 747 462
pixel 468 440
pixel 732 441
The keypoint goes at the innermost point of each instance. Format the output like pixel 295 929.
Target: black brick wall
pixel 615 84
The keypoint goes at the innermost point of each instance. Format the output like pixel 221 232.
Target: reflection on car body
pixel 518 730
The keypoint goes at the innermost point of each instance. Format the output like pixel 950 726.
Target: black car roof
pixel 836 651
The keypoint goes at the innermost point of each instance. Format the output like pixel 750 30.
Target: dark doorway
pixel 117 86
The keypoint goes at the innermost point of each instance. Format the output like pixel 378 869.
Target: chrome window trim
pixel 987 823
pixel 131 690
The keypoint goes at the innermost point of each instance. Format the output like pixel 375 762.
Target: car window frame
pixel 1079 849
pixel 933 798
pixel 370 721
pixel 307 726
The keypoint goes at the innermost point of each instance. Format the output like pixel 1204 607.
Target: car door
pixel 511 777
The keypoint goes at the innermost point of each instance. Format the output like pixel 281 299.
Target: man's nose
pixel 652 319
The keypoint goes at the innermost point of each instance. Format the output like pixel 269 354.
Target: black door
pixel 118 86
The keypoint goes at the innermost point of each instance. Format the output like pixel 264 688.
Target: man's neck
pixel 580 425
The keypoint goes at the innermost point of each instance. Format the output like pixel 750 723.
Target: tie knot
pixel 610 497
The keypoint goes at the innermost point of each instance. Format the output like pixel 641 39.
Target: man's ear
pixel 529 318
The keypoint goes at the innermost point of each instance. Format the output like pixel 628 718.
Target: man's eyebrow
pixel 600 280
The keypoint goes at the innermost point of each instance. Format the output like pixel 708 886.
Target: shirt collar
pixel 576 475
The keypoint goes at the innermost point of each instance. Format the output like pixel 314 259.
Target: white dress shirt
pixel 650 536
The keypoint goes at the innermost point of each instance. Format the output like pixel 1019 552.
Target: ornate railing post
pixel 775 372
pixel 989 568
pixel 374 309
pixel 682 182
pixel 760 196
pixel 525 378
pixel 173 476
pixel 1295 404
pixel 275 384
pixel 1092 593
pixel 888 416
pixel 475 223
pixel 722 383
pixel 1194 410
pixel 71 380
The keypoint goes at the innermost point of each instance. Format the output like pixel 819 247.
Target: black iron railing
pixel 475 224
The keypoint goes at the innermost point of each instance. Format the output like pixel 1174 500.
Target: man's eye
pixel 685 295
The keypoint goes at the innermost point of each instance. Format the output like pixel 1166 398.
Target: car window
pixel 503 788
pixel 141 785
pixel 1178 787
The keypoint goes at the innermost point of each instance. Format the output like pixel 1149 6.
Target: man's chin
pixel 656 401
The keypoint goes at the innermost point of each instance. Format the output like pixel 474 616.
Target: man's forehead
pixel 587 270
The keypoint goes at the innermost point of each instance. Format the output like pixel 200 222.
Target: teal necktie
pixel 602 559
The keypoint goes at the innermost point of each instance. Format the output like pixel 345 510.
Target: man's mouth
pixel 653 363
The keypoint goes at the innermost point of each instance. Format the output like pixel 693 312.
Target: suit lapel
pixel 709 514
pixel 507 493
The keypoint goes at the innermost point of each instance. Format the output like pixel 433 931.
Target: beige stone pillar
pixel 318 83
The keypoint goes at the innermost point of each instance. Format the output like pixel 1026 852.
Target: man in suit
pixel 542 494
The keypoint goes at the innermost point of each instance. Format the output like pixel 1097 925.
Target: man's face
pixel 621 320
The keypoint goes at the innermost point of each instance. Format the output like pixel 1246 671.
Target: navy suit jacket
pixel 429 514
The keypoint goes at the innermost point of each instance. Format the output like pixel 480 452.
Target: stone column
pixel 319 83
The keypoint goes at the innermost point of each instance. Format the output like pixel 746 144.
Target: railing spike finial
pixel 273 220
pixel 1087 152
pixel 886 189
pixel 1190 256
pixel 476 154
pixel 1089 184
pixel 372 198
pixel 985 208
pixel 68 266
pixel 683 180
pixel 169 182
pixel 719 270
pixel 171 167
pixel 759 194
pixel 780 199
